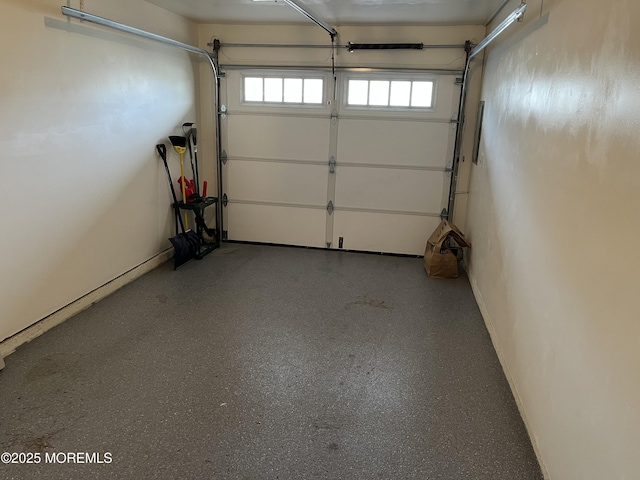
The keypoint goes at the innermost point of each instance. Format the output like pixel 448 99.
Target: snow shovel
pixel 186 243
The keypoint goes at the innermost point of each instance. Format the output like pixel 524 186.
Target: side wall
pixel 85 196
pixel 554 221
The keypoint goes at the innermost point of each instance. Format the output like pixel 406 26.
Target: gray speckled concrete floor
pixel 270 363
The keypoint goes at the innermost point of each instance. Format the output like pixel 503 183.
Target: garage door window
pixel 394 94
pixel 283 90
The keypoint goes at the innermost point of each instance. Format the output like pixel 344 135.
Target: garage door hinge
pixel 224 157
pixel 332 165
pixel 225 200
pixel 330 208
pixel 459 81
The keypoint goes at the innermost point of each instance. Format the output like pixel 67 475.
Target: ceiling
pixel 336 12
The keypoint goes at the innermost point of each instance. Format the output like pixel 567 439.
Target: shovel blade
pixel 185 246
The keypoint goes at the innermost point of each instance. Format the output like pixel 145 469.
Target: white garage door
pixel 366 171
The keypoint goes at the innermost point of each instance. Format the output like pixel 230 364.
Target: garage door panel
pixel 447 96
pixel 275 137
pixel 378 232
pixel 277 182
pixel 389 189
pixel 394 142
pixel 275 224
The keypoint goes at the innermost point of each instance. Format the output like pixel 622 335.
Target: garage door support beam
pixel 354 69
pixel 423 46
pixel 105 22
pixel 472 52
pixel 514 17
pixel 296 5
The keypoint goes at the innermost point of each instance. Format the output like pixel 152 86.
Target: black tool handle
pixel 162 151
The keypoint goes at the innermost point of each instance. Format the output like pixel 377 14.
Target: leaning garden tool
pixel 186 243
pixel 180 146
pixel 190 132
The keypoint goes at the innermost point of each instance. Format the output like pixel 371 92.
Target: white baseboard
pixel 10 345
pixel 507 373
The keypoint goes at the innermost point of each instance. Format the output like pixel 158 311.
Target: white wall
pixel 84 195
pixel 554 220
pixel 311 34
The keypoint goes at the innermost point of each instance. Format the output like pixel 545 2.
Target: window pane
pixel 313 90
pixel 273 90
pixel 293 90
pixel 358 92
pixel 421 94
pixel 252 89
pixel 400 94
pixel 379 93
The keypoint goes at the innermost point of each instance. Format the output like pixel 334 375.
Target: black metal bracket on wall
pixel 220 160
pixel 472 52
pixel 448 212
